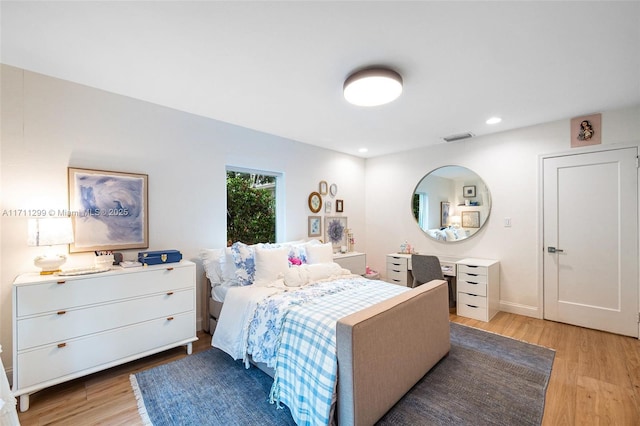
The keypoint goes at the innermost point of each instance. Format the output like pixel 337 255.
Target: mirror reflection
pixel 451 203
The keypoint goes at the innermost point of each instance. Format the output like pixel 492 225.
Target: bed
pixel 357 345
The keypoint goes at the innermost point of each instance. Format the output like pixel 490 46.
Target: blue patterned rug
pixel 486 379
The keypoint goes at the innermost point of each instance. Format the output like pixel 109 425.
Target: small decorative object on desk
pixel 159 257
pixel 351 241
pixel 406 248
pixel 104 259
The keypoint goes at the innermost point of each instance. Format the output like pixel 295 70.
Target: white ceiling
pixel 279 67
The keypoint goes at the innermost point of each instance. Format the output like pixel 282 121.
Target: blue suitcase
pixel 158 257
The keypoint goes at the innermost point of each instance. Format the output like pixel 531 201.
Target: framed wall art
pixel 315 226
pixel 471 219
pixel 323 187
pixel 339 206
pixel 469 191
pixel 327 206
pixel 109 210
pixel 335 231
pixel 586 130
pixel 445 209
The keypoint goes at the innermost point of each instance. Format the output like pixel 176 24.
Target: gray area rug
pixel 486 379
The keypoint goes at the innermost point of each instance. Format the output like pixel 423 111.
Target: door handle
pixel 554 250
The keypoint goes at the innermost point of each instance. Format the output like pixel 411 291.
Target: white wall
pixel 49 124
pixel 509 164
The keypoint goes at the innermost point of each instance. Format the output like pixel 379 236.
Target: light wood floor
pixel 595 379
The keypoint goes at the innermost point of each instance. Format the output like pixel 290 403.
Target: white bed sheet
pixel 219 292
pixel 239 304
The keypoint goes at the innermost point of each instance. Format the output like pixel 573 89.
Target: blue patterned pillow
pixel 244 259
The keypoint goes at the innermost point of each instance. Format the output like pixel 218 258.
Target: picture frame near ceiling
pixel 314 226
pixel 315 202
pixel 333 189
pixel 339 206
pixel 586 130
pixel 323 187
pixel 469 191
pixel 109 210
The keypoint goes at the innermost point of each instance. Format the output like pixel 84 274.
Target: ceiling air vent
pixel 458 137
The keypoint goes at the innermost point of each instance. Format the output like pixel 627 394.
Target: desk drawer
pixel 397 264
pixel 474 270
pixel 472 287
pixel 480 279
pixel 472 306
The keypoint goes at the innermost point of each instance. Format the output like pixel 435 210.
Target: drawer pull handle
pixel 473 275
pixel 472 306
pixel 169 269
pixel 395 270
pixel 61 282
pixel 169 293
pixel 472 283
pixel 62 312
pixel 62 345
pixel 170 319
pixel 472 266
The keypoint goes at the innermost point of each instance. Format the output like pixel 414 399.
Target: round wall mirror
pixel 451 203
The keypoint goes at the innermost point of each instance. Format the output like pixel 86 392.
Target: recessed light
pixel 363 150
pixel 372 87
pixel 494 120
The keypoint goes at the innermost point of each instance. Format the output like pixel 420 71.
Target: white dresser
pixel 68 327
pixel 353 261
pixel 399 269
pixel 478 285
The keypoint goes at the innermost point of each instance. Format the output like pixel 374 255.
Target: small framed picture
pixel 445 208
pixel 471 219
pixel 327 206
pixel 469 191
pixel 315 226
pixel 339 206
pixel 323 187
pixel 586 130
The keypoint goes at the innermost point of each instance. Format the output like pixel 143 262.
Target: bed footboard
pixel 385 349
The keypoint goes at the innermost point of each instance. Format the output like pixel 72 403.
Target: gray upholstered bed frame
pixel 385 349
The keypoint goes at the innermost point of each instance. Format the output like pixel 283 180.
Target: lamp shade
pixel 372 87
pixel 49 231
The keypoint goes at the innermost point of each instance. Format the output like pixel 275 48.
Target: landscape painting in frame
pixel 109 210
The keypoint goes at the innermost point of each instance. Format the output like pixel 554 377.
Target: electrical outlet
pixel 507 222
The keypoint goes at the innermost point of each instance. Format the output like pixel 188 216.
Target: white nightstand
pixel 354 261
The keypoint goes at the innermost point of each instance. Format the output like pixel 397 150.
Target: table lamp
pixel 49 232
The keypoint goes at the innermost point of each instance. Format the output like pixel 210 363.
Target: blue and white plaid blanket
pixel 306 366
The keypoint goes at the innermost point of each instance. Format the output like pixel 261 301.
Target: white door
pixel 590 230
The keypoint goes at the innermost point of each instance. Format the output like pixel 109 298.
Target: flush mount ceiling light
pixel 372 87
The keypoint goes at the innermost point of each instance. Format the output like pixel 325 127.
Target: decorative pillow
pixel 297 254
pixel 270 264
pixel 243 258
pixel 319 253
pixel 212 260
pixel 321 271
pixel 296 276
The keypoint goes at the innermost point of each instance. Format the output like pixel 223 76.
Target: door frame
pixel 540 245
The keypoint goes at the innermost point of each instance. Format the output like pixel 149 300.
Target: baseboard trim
pixel 516 308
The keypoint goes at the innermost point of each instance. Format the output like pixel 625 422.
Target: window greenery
pixel 251 208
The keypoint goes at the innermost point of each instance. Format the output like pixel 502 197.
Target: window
pixel 252 206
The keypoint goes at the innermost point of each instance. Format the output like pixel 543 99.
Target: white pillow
pixel 321 271
pixel 296 276
pixel 212 260
pixel 271 264
pixel 319 253
pixel 451 236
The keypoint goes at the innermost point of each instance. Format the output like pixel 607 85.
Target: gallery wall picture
pixel 109 210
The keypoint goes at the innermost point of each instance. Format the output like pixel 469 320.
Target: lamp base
pixel 50 264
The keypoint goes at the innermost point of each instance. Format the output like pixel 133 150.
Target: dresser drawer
pixel 481 279
pixel 472 288
pixel 64 294
pixel 52 362
pixel 473 270
pixel 64 325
